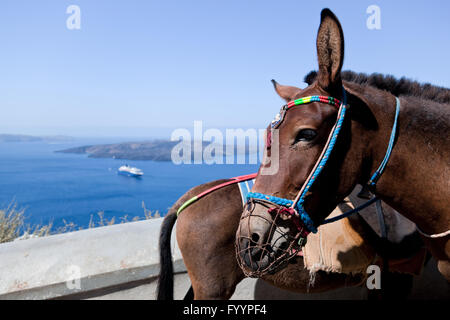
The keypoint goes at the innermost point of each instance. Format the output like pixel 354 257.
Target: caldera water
pixel 62 188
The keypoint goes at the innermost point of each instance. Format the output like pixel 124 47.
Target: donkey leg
pixel 444 269
pixel 206 234
pixel 211 264
pixel 214 276
pixel 216 290
pixel 440 249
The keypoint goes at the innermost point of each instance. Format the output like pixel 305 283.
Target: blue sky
pixel 142 68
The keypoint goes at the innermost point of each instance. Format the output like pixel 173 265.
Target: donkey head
pixel 268 234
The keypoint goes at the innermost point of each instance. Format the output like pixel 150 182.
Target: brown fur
pixel 330 45
pixel 416 179
pixel 398 87
pixel 206 236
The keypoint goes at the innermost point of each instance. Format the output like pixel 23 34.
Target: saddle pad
pixel 339 246
pixel 244 188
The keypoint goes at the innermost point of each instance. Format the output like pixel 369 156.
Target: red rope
pixel 232 181
pixel 293 216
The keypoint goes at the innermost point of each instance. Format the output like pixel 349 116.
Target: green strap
pixel 187 203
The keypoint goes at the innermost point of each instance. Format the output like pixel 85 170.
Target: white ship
pixel 130 171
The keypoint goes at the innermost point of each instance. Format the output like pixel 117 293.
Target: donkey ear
pixel 330 51
pixel 286 92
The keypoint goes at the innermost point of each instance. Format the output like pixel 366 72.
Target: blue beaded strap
pixel 373 181
pixel 303 215
pixel 326 155
pixel 280 201
pixel 285 203
pixel 337 128
pixel 299 204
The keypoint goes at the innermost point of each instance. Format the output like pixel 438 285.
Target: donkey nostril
pixel 255 237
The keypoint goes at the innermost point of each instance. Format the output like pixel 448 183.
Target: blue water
pixel 55 186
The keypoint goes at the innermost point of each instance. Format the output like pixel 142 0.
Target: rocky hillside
pixel 158 150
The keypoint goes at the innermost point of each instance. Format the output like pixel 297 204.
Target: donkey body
pixel 206 237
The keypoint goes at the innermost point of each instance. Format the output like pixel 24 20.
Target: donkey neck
pixel 416 179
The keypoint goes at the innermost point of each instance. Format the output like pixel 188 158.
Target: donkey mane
pixel 397 87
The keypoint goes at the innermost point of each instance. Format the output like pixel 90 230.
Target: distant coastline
pixel 27 138
pixel 155 150
pixel 158 150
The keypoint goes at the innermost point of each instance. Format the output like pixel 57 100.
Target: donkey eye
pixel 305 135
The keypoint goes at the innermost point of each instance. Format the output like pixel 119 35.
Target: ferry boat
pixel 130 171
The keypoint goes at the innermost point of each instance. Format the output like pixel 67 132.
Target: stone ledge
pixel 82 261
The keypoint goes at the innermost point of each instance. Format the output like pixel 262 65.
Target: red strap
pixel 293 216
pixel 232 181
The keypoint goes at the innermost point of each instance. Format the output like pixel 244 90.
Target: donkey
pixel 206 233
pixel 335 134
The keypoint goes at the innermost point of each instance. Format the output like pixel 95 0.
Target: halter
pixel 297 205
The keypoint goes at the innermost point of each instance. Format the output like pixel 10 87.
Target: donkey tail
pixel 165 280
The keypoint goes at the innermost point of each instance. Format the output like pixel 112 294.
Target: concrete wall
pixel 80 262
pixel 121 262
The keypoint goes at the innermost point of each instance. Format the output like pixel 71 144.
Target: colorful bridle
pixel 296 207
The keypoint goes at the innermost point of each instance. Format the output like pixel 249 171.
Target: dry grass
pixel 10 223
pixel 13 226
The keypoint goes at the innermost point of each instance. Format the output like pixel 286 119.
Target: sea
pixel 62 188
